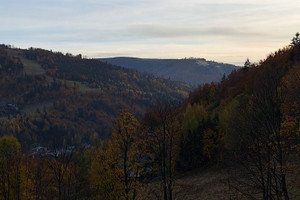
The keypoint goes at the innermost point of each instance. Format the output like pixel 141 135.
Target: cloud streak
pixel 166 31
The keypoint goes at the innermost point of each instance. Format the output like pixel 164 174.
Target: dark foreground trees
pixel 262 130
pixel 10 179
pixel 162 129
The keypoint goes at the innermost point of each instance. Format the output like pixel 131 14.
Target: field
pixel 31 67
pixel 83 87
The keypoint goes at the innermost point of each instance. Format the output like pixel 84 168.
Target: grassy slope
pixel 32 68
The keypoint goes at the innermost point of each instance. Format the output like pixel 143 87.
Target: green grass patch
pixel 83 87
pixel 32 67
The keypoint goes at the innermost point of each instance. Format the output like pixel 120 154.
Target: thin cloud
pixel 166 31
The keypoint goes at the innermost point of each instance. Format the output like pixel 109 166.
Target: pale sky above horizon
pixel 226 31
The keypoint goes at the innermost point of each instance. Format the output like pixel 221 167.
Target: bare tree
pixel 265 146
pixel 59 166
pixel 163 133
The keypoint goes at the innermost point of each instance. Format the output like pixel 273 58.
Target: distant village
pixel 44 152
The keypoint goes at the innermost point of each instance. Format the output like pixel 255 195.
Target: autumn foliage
pixel 249 123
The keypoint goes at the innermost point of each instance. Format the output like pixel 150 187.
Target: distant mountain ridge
pixel 195 71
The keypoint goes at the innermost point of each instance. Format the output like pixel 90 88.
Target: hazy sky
pixel 220 30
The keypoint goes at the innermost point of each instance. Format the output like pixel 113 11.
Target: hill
pixel 49 96
pixel 195 71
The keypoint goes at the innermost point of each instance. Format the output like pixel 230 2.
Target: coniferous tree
pixel 295 40
pixel 247 64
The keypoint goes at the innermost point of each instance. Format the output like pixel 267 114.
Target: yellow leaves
pixel 209 142
pixel 124 131
pixel 115 168
pixel 9 146
pixel 193 116
pixel 102 176
pixel 10 126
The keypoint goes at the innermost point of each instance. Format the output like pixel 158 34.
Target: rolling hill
pixel 48 96
pixel 195 71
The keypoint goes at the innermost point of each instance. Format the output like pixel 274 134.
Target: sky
pixel 228 31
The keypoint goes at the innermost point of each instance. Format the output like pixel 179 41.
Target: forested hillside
pixel 250 122
pixel 47 96
pixel 195 71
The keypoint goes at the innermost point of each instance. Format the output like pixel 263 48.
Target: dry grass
pixel 205 184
